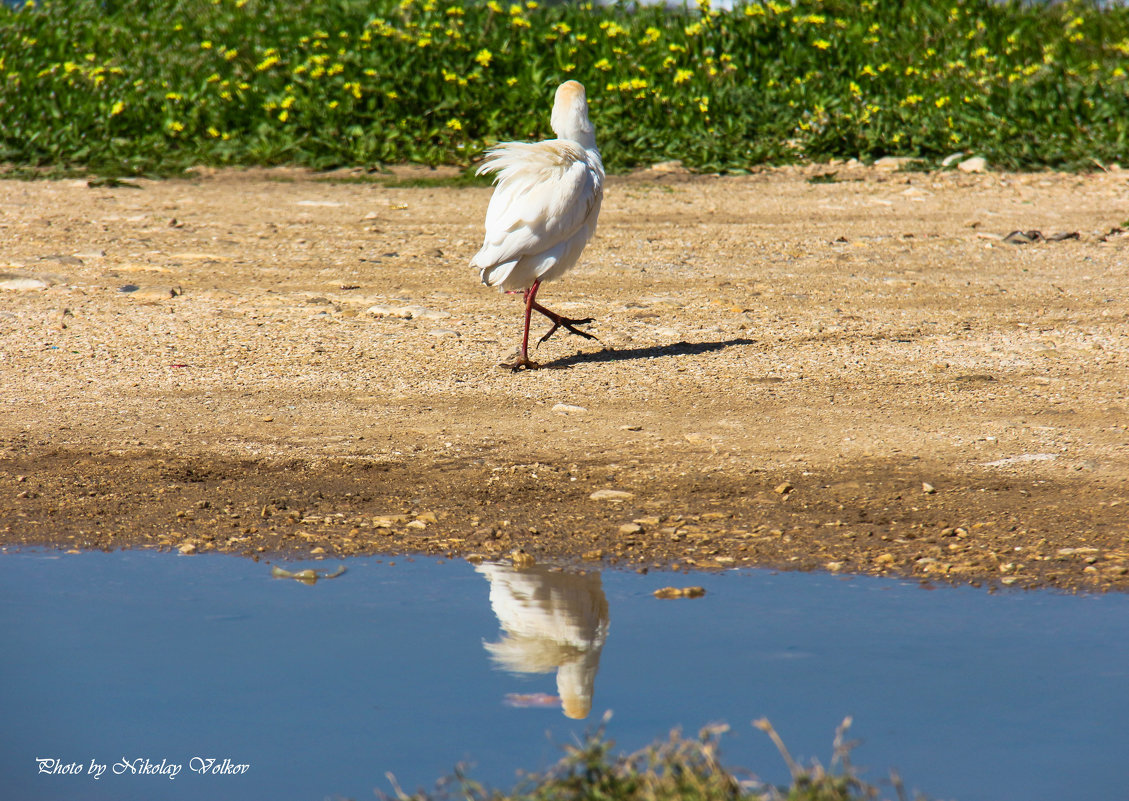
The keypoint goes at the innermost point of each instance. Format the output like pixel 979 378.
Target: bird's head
pixel 570 114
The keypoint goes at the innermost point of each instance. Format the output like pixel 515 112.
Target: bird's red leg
pixel 559 321
pixel 523 357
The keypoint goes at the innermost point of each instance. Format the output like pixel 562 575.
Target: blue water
pixel 322 690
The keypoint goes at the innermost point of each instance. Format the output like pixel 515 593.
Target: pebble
pixel 566 408
pixel 630 528
pixel 443 332
pixel 885 560
pixel 974 164
pixel 522 559
pixel 952 158
pixel 390 311
pixel 388 521
pixel 423 313
pixel 668 593
pixel 187 548
pixel 784 489
pixel 892 162
pixel 927 488
pixel 611 495
pixel 1076 551
pixel 155 292
pixel 21 283
pixel 672 166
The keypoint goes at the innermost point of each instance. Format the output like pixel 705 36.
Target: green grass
pixel 675 769
pixel 147 87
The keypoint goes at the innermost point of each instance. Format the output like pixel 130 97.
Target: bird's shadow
pixel 652 352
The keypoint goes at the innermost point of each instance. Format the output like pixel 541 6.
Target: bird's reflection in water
pixel 551 620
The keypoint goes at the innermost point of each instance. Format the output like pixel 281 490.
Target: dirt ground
pixel 854 374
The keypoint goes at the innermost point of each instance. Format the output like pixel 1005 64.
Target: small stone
pixel 630 528
pixel 647 521
pixel 1009 580
pixel 417 524
pixel 566 408
pixel 400 312
pixel 427 517
pixel 268 419
pixel 669 167
pixel 387 521
pixel 892 163
pixel 952 158
pixel 885 560
pixel 21 283
pixel 522 559
pixel 834 567
pixel 423 313
pixel 669 593
pixel 927 488
pixel 974 164
pixel 317 551
pixel 155 293
pixel 611 495
pixel 187 548
pixel 631 428
pixel 784 489
pixel 592 556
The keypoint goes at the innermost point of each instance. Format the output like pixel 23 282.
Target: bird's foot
pixel 518 361
pixel 570 326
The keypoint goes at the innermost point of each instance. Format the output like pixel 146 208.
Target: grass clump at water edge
pixel 139 86
pixel 674 769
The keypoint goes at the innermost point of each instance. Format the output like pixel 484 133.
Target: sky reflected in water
pixel 411 668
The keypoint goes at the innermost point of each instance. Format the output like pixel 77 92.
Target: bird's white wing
pixel 546 192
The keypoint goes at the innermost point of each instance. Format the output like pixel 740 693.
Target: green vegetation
pixel 155 86
pixel 676 769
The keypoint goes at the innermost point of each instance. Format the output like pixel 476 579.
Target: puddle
pixel 321 689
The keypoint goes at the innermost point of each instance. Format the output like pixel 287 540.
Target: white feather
pixel 546 200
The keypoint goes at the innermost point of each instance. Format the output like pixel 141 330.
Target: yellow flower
pixel 869 71
pixel 205 45
pixel 117 108
pixel 704 105
pixel 267 63
pixel 603 65
pixel 511 81
pixel 822 44
pixel 940 102
pixel 176 126
pixel 212 132
pixel 484 57
pixel 283 115
pixel 455 125
pixel 682 76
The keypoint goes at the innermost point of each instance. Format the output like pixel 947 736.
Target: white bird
pixel 543 211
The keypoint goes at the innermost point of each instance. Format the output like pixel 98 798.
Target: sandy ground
pixel 856 375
